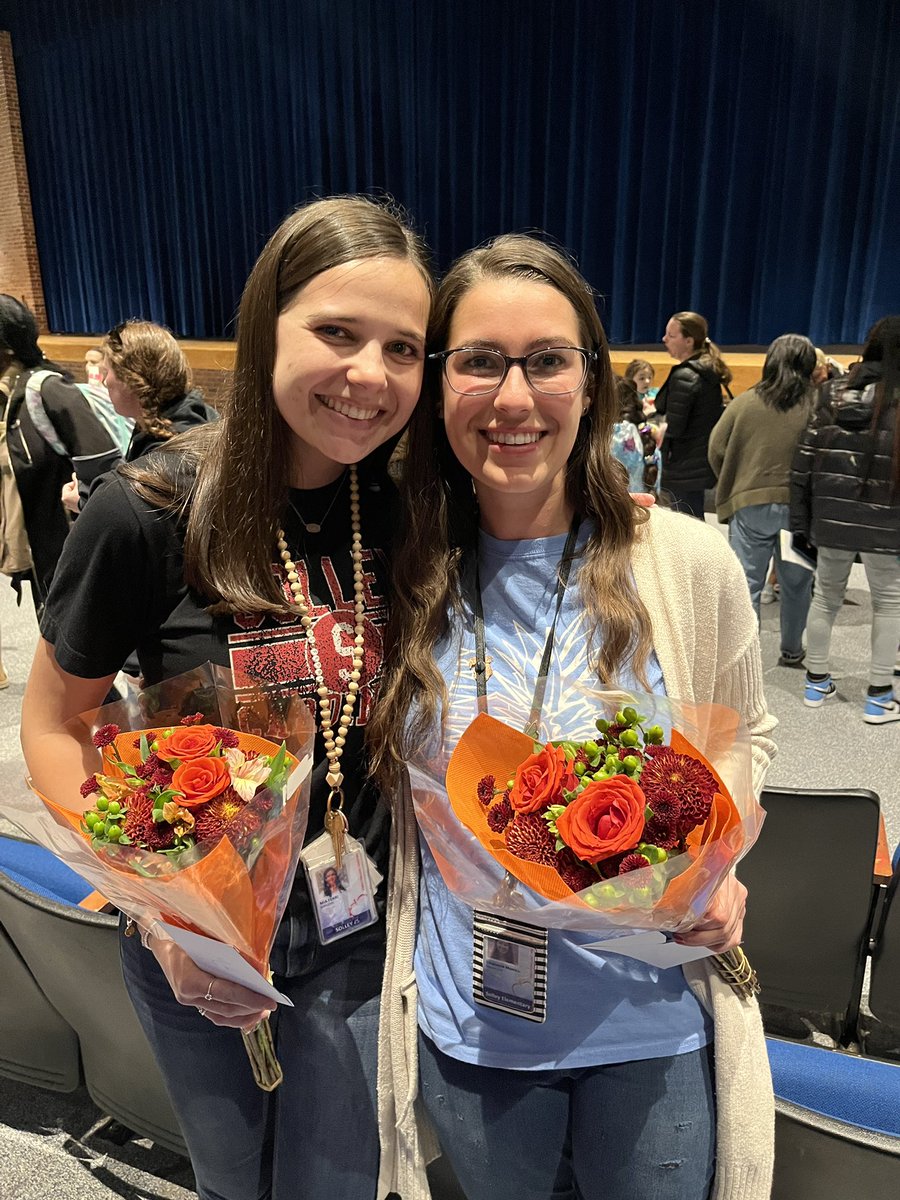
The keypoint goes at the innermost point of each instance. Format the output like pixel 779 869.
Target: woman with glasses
pixel 259 543
pixel 637 1083
pixel 690 401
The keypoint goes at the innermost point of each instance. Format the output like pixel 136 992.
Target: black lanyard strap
pixel 481 667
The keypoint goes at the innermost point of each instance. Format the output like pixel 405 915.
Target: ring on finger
pixel 209 995
pixel 202 1012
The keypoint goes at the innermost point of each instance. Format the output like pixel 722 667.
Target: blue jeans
pixel 316 1135
pixel 754 533
pixel 640 1130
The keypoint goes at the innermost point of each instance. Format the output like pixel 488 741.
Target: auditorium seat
pixel 879 1022
pixel 73 957
pixel 811 901
pixel 837 1124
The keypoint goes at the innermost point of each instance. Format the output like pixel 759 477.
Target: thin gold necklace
pixel 316 526
pixel 335 821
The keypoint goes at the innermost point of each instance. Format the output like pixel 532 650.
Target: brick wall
pixel 20 272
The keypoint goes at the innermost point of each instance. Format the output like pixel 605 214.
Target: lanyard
pixel 480 665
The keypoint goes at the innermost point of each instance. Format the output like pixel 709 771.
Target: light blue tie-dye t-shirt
pixel 601 1008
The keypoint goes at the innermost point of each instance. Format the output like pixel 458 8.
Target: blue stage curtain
pixel 740 159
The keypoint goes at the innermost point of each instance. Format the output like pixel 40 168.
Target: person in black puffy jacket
pixel 691 402
pixel 845 498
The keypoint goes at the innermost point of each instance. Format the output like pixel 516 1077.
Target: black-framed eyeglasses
pixel 553 371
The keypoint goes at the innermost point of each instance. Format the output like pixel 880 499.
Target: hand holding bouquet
pixel 191 822
pixel 631 828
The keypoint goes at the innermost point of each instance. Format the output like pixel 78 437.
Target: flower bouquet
pixel 633 828
pixel 190 821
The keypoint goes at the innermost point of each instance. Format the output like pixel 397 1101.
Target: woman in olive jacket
pixel 691 402
pixel 845 497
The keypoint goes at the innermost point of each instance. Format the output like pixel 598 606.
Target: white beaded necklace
pixel 335 821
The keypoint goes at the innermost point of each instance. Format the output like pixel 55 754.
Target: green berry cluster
pixel 104 822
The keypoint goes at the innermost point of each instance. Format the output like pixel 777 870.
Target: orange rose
pixel 606 819
pixel 200 780
pixel 539 781
pixel 187 742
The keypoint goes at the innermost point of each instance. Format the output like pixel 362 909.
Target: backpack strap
pixel 38 414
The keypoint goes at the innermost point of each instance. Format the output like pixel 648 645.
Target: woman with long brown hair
pixel 691 401
pixel 510 478
pixel 259 543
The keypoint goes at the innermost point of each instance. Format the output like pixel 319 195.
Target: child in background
pixel 640 373
pixel 632 417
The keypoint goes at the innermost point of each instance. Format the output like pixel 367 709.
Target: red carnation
pixel 633 862
pixel 500 814
pixel 193 719
pixel 105 735
pixel 150 764
pixel 227 737
pixel 485 789
pixel 573 873
pixel 90 786
pixel 528 837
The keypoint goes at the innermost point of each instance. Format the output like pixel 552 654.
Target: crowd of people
pixel 500 377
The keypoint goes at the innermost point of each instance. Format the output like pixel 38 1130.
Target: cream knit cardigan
pixel 705 637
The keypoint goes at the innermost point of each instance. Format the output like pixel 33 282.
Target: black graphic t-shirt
pixel 120 587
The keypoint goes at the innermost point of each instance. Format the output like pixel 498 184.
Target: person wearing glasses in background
pixel 509 475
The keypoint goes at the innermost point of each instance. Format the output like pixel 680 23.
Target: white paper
pixel 651 946
pixel 222 962
pixel 789 554
pixel 299 773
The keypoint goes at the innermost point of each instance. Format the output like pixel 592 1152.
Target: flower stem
pixel 735 969
pixel 260 1049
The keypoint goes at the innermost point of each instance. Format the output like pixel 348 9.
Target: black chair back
pixel 812 896
pixel 879 1024
pixel 36 1045
pixel 73 955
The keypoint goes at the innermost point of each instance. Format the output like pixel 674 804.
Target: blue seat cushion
pixel 859 1091
pixel 37 869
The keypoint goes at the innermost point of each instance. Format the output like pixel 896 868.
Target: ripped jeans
pixel 641 1130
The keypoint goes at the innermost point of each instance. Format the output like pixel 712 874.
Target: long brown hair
pixel 706 352
pixel 439 527
pixel 149 362
pixel 231 479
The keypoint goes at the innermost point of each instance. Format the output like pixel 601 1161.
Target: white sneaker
pixel 882 708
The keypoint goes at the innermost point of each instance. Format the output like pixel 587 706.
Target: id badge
pixel 343 898
pixel 509 966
